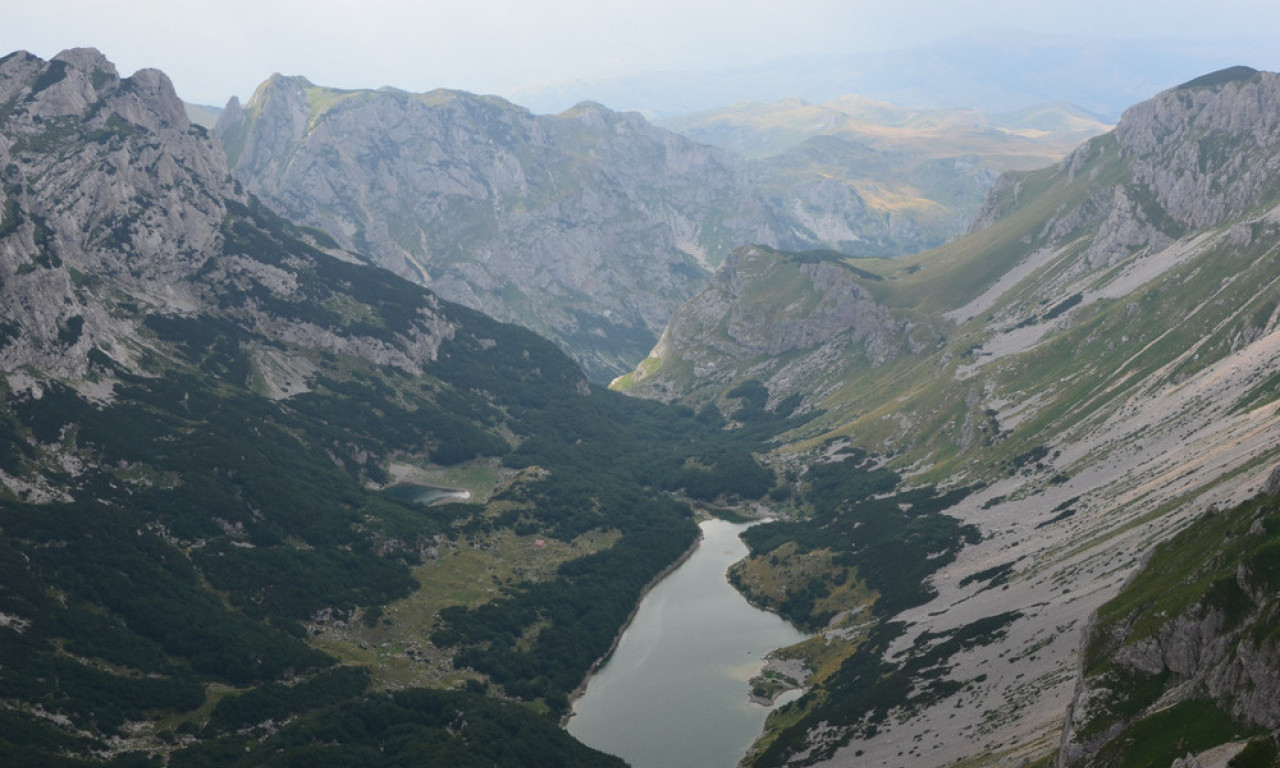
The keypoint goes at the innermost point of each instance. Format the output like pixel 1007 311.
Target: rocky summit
pixel 74 207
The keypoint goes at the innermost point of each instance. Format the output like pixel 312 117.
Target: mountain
pixel 1094 365
pixel 1026 480
pixel 589 226
pixel 801 323
pixel 215 423
pixel 931 168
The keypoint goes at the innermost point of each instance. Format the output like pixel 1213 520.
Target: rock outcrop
pixel 1197 626
pixel 116 207
pixel 142 202
pixel 1180 174
pixel 761 306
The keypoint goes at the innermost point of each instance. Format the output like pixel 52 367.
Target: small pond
pixel 425 494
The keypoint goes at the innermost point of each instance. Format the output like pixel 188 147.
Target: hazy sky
pixel 214 49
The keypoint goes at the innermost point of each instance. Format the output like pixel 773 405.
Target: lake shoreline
pixel 789 674
pixel 600 662
pixel 674 693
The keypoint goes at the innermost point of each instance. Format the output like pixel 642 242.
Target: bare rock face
pixel 762 305
pixel 590 226
pixel 1217 165
pixel 116 208
pixel 1191 157
pixel 102 176
pixel 1209 638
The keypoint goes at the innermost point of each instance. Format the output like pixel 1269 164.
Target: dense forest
pixel 156 607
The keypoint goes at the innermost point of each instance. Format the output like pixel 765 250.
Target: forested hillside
pixel 203 405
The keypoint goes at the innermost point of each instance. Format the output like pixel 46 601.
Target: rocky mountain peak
pixel 102 175
pixel 592 114
pixel 77 79
pixel 586 108
pixel 1227 75
pixel 116 210
pixel 281 104
pixel 1207 152
pixel 1191 157
pixel 277 86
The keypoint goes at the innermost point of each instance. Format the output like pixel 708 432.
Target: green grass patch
pixel 1156 741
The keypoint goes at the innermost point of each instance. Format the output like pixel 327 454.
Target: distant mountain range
pixel 1028 138
pixel 995 72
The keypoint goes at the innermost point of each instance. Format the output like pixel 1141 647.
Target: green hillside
pixel 1094 364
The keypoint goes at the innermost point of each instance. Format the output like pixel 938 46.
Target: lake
pixel 675 692
pixel 425 494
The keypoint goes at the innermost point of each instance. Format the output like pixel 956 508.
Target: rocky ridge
pixel 145 160
pixel 99 235
pixel 588 226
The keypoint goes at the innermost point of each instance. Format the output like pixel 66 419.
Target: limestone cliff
pixel 116 208
pixel 1180 174
pixel 141 202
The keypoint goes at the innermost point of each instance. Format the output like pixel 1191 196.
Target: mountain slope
pixel 203 405
pixel 1185 658
pixel 1099 353
pixel 589 226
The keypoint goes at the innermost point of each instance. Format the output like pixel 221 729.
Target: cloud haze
pixel 215 50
